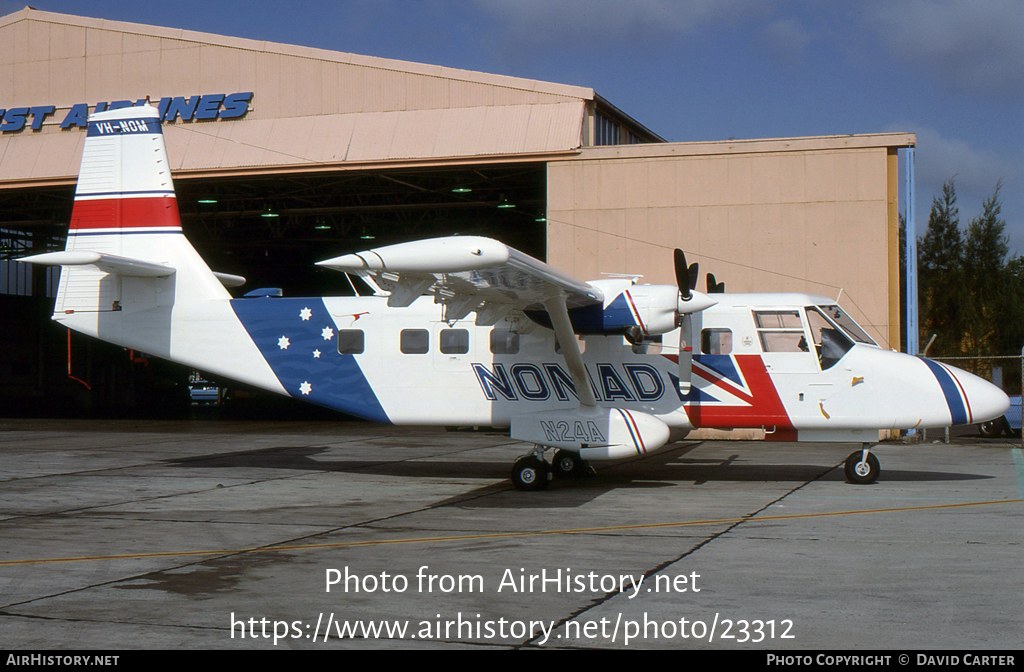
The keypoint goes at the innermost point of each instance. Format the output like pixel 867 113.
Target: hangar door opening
pixel 269 228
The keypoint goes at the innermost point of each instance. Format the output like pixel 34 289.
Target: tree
pixel 985 250
pixel 971 289
pixel 941 288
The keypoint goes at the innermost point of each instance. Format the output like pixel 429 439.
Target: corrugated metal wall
pixel 803 215
pixel 309 105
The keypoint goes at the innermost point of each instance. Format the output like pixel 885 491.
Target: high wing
pixel 471 273
pixel 466 274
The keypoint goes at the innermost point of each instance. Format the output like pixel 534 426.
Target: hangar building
pixel 285 155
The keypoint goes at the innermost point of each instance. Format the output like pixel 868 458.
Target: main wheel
pixel 568 464
pixel 862 472
pixel 530 473
pixel 994 428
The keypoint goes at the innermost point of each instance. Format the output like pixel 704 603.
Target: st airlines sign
pixel 204 107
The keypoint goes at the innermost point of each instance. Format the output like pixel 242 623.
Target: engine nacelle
pixel 595 433
pixel 656 307
pixel 647 310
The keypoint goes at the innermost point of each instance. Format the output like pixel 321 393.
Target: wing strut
pixel 570 349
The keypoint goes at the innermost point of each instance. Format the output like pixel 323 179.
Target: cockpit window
pixel 852 329
pixel 830 342
pixel 780 331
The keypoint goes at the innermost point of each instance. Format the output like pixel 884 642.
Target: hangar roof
pixel 312 108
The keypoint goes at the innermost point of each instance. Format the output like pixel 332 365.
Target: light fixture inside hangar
pixel 272 229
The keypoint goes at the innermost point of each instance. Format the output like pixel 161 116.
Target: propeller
pixel 690 302
pixel 686 280
pixel 715 287
pixel 683 275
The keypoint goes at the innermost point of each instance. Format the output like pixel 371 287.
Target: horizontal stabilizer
pixel 105 262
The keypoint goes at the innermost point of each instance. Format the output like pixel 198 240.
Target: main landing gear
pixel 862 467
pixel 533 472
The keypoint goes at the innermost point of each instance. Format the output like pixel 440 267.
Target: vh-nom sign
pixel 205 107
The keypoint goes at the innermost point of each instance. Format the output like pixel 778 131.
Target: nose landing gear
pixel 862 467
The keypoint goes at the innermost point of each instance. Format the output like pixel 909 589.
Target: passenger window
pixel 780 331
pixel 351 341
pixel 454 341
pixel 504 342
pixel 716 341
pixel 415 341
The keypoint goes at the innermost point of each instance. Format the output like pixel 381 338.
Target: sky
pixel 951 71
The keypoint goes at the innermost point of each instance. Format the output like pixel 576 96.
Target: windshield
pixel 852 329
pixel 829 341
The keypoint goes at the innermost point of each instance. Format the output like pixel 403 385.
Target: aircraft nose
pixel 985 400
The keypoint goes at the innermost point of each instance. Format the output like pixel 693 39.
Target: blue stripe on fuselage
pixel 328 378
pixel 957 412
pixel 722 365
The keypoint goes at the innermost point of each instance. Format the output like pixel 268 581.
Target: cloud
pixel 576 22
pixel 973 45
pixel 977 171
pixel 784 40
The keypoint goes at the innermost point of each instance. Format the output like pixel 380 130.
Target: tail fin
pixel 126 212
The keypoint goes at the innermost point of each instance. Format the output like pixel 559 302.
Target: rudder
pixel 125 207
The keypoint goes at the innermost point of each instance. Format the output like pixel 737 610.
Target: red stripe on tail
pixel 126 213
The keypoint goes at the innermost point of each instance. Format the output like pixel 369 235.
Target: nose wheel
pixel 862 467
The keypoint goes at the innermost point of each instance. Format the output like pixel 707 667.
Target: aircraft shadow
pixel 664 469
pixel 302 458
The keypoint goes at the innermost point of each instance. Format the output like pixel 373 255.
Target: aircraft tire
pixel 994 428
pixel 868 471
pixel 530 474
pixel 568 464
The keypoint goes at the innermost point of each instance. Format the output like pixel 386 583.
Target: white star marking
pixel 316 354
pixel 283 343
pixel 327 333
pixel 305 314
pixel 305 388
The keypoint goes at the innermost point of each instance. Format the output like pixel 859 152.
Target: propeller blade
pixel 685 353
pixel 682 274
pixel 694 273
pixel 715 287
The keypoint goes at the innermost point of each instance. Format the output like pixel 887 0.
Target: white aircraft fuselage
pixel 463 331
